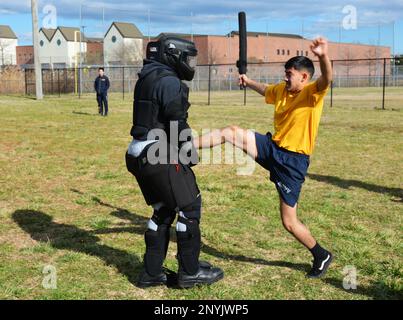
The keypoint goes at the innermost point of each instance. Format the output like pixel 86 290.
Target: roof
pixel 282 35
pixel 180 35
pixel 70 33
pixel 48 32
pixel 127 30
pixel 6 32
pixel 100 40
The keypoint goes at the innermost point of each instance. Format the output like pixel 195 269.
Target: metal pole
pixel 26 85
pixel 79 81
pixel 123 82
pixel 149 20
pixel 191 26
pixel 81 54
pixel 42 71
pixel 38 73
pixel 58 81
pixel 103 33
pixel 384 83
pixel 266 42
pixel 331 91
pixel 209 83
pixel 51 80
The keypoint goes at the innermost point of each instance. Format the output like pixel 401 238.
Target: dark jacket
pixel 101 84
pixel 167 88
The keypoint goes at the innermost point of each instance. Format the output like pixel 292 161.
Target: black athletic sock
pixel 318 252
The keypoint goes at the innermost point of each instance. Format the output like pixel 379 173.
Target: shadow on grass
pixel 346 184
pixel 84 113
pixel 68 237
pixel 139 227
pixel 377 290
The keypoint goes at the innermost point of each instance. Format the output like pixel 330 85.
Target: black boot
pixel 145 280
pixel 207 274
pixel 192 271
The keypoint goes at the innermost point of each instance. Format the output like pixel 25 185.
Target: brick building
pixel 274 47
pixel 25 55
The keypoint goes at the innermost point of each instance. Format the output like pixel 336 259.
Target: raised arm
pixel 319 48
pixel 258 87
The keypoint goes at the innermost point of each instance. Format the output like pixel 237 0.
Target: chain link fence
pixel 358 73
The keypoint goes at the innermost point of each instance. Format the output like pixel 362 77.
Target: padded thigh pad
pixel 183 184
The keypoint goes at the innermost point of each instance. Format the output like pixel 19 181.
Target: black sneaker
pixel 320 267
pixel 207 274
pixel 145 280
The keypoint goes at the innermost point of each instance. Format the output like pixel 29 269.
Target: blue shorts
pixel 287 168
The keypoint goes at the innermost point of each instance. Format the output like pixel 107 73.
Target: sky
pixel 362 21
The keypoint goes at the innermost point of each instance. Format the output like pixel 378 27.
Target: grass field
pixel 67 200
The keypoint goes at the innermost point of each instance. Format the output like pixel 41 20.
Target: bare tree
pixel 94 58
pixel 348 56
pixel 372 64
pixel 128 54
pixel 212 54
pixel 4 44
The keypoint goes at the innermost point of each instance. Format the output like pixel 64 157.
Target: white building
pixel 8 44
pixel 123 44
pixel 60 47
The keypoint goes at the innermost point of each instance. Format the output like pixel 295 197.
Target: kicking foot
pixel 207 274
pixel 320 266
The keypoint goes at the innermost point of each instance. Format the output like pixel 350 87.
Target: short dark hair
pixel 301 63
pixel 101 68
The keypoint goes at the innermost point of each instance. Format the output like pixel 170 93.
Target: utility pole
pixel 81 23
pixel 191 26
pixel 35 39
pixel 103 34
pixel 149 22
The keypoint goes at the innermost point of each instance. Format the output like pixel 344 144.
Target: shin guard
pixel 188 238
pixel 157 240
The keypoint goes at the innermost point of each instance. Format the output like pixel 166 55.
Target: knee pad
pixel 188 240
pixel 157 240
pixel 193 211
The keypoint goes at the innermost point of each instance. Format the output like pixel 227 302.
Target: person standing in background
pixel 101 86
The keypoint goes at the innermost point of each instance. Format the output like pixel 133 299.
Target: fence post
pixel 384 84
pixel 79 82
pixel 58 81
pixel 123 82
pixel 43 80
pixel 26 85
pixel 65 80
pixel 209 83
pixel 331 90
pixel 51 80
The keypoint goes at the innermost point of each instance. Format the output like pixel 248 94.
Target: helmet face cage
pixel 179 54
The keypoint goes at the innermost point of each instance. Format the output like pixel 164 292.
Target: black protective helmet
pixel 177 53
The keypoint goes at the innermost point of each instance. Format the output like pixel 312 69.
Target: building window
pixel 297 52
pixel 58 42
pixel 306 53
pixel 278 51
pixel 113 39
pixel 41 43
pixel 288 52
pixel 283 52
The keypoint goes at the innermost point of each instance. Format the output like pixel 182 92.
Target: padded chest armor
pixel 148 114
